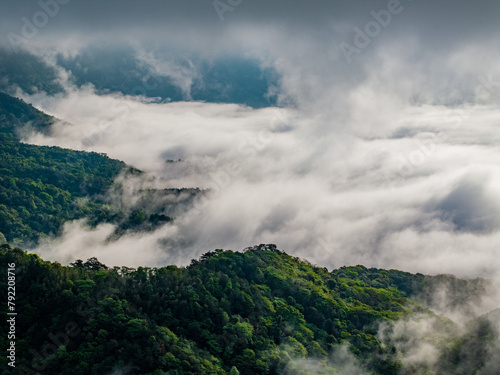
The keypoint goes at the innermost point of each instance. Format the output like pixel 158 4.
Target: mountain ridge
pixel 259 311
pixel 43 187
pixel 119 69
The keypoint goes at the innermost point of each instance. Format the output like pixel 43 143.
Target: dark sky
pixel 438 23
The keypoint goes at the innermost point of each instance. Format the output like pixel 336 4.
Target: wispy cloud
pixel 390 160
pixel 334 197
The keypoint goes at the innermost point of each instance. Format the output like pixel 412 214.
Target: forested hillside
pixel 42 187
pixel 260 311
pixel 17 116
pixel 26 71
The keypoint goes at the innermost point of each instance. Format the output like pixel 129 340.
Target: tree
pixel 93 264
pixel 77 263
pixel 2 239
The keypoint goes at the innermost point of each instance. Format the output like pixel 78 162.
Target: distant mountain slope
pixel 16 114
pixel 257 312
pixel 27 71
pixel 119 69
pixel 43 187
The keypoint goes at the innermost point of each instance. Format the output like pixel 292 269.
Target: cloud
pixel 470 208
pixel 429 343
pixel 417 339
pixel 434 57
pixel 182 75
pixel 80 242
pixel 388 160
pixel 422 202
pixel 385 156
pixel 340 361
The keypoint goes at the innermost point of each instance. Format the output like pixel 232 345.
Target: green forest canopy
pixel 260 311
pixel 43 187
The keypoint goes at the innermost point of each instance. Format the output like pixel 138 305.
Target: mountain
pixel 28 72
pixel 260 311
pixel 43 187
pixel 121 69
pixel 17 116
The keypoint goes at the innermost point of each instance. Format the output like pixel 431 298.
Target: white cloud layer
pixel 390 159
pixel 420 196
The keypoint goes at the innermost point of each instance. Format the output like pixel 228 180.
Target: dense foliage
pixel 17 116
pixel 260 311
pixel 43 187
pixel 26 71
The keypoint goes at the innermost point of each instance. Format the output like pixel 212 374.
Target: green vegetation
pixel 253 312
pixel 43 187
pixel 16 116
pixel 256 312
pixel 26 71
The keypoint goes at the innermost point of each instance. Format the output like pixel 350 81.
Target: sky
pixel 383 151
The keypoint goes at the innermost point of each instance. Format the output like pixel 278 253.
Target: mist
pixel 382 151
pixel 427 182
pixel 377 143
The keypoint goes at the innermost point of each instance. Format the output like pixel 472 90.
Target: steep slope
pixel 43 187
pixel 260 311
pixel 26 71
pixel 16 115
